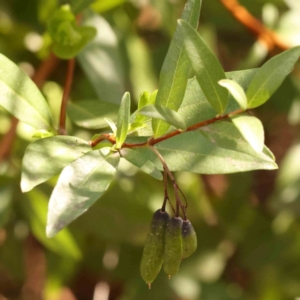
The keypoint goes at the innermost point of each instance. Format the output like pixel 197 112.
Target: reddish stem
pixel 153 141
pixel 66 95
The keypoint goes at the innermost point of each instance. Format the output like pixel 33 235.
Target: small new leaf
pixel 270 76
pixel 164 113
pixel 236 91
pixel 123 120
pixel 206 66
pixel 112 125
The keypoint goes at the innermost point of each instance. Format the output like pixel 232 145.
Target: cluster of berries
pixel 169 241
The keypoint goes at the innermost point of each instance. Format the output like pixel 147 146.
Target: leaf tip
pixel 50 232
pixel 179 22
pixel 25 187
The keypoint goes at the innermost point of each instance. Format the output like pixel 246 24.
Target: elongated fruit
pixel 189 239
pixel 173 246
pixel 154 247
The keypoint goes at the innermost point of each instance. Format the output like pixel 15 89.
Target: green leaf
pixel 101 6
pixel 195 108
pixel 43 134
pixel 270 76
pixel 143 161
pixel 100 60
pixel 91 113
pixel 75 39
pixel 145 99
pixel 226 135
pixel 251 129
pixel 123 120
pixel 80 5
pixel 236 91
pixel 79 185
pixel 112 125
pixel 206 66
pixel 175 69
pixel 69 39
pixel 35 209
pixel 193 152
pixel 46 157
pixel 164 113
pixel 21 97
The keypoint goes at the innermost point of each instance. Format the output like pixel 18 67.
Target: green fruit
pixel 154 247
pixel 173 246
pixel 189 239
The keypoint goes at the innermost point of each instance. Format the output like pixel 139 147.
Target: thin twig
pixel 66 95
pixel 175 186
pixel 154 141
pixel 166 195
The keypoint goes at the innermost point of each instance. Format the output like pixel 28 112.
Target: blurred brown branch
pixel 265 35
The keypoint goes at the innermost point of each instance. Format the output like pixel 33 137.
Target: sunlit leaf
pixel 193 152
pixel 270 76
pixel 46 157
pixel 112 125
pixel 206 66
pixel 104 5
pixel 236 91
pixel 21 97
pixel 251 129
pixel 79 185
pixel 226 135
pixel 175 69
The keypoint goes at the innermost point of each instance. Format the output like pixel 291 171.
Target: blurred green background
pixel 247 224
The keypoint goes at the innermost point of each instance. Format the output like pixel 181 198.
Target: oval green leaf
pixel 206 66
pixel 270 76
pixel 175 70
pixel 79 185
pixel 193 152
pixel 46 158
